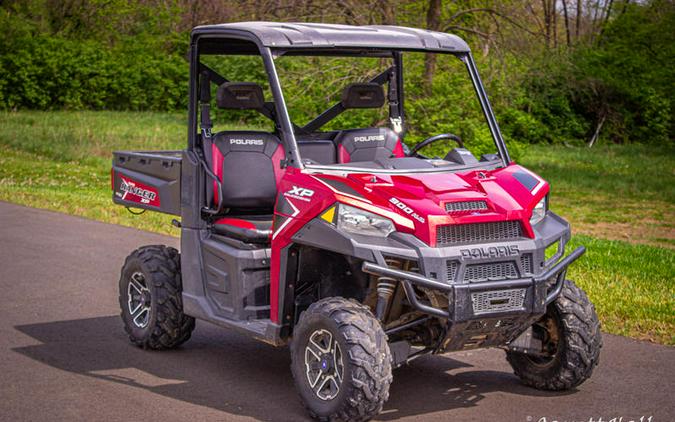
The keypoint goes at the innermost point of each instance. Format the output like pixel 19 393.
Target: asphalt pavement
pixel 64 354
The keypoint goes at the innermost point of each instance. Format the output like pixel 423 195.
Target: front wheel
pixel 341 361
pixel 570 331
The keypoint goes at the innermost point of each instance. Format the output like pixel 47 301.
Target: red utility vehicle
pixel 359 252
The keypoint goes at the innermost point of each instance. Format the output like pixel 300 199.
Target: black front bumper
pixel 470 321
pixel 483 313
pixel 538 292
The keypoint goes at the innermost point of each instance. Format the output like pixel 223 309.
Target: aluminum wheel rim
pixel 324 365
pixel 139 300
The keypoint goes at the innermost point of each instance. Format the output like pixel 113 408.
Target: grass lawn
pixel 611 192
pixel 620 201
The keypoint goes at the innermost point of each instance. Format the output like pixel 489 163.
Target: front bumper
pixel 470 321
pixel 480 313
pixel 538 291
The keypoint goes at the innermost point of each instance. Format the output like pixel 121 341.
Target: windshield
pixel 438 98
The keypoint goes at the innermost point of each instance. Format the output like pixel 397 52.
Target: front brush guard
pixel 408 279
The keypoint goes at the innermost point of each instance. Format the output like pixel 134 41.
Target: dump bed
pixel 147 179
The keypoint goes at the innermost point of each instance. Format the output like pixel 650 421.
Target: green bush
pixel 47 72
pixel 625 78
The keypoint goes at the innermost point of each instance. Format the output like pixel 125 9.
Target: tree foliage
pixel 556 70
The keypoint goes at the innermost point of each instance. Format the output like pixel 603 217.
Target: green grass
pixel 612 192
pixel 620 201
pixel 61 160
pixel 632 286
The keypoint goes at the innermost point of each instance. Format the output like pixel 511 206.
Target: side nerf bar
pixel 407 279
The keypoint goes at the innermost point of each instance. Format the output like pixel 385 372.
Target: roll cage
pixel 273 40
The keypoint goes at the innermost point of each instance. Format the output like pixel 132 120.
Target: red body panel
pixel 418 204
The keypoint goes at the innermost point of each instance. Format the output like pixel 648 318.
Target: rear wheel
pixel 150 299
pixel 341 361
pixel 570 331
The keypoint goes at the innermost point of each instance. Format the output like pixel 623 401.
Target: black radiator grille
pixel 451 267
pixel 526 263
pixel 464 206
pixel 477 232
pixel 491 271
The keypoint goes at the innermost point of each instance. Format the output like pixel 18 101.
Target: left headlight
pixel 539 211
pixel 357 221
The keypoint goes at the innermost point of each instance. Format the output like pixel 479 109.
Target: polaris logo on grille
pixel 491 252
pixel 246 142
pixel 369 138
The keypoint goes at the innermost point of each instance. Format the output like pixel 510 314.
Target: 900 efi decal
pixel 133 191
pixel 406 209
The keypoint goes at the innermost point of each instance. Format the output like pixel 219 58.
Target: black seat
pixel 248 166
pixel 249 229
pixel 368 145
pixel 321 151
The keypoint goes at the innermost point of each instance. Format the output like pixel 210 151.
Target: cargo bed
pixel 147 179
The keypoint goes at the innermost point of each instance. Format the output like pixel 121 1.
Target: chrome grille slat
pixel 477 232
pixel 465 206
pixel 490 271
pixel 497 301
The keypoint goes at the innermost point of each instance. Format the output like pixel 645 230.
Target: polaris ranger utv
pixel 360 253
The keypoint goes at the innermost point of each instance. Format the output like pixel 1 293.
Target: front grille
pixel 451 270
pixel 477 232
pixel 526 263
pixel 464 206
pixel 497 301
pixel 491 271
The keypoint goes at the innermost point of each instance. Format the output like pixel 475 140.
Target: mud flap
pixel 527 343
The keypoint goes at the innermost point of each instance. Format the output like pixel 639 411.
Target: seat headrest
pixel 240 96
pixel 368 95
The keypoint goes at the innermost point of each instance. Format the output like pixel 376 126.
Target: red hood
pixel 510 194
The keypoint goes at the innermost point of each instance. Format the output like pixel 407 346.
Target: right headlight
pixel 539 211
pixel 358 221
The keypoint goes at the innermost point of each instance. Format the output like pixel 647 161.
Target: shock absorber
pixel 386 286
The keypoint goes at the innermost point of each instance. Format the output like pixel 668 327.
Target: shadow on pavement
pixel 229 372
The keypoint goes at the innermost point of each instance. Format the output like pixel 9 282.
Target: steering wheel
pixel 433 139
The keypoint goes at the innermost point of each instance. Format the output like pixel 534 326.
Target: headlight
pixel 357 221
pixel 539 211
